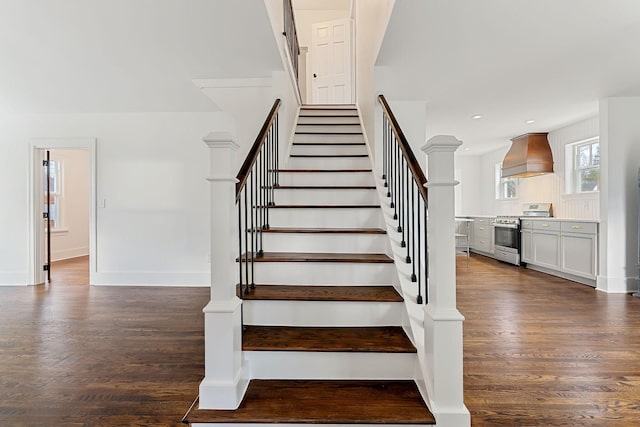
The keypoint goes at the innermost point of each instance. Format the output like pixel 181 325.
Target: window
pixel 506 188
pixel 585 167
pixel 55 187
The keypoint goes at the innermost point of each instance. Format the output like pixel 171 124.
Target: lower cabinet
pixel 567 247
pixel 482 240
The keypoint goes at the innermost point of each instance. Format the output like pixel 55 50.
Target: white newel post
pixel 225 380
pixel 442 320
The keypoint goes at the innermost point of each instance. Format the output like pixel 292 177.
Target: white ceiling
pixel 510 61
pixel 68 56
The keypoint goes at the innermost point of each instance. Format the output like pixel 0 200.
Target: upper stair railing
pixel 291 34
pixel 257 179
pixel 408 197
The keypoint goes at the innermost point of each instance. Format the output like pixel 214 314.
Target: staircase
pixel 324 328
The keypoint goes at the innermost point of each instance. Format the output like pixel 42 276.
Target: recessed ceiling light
pixel 477 116
pixel 530 122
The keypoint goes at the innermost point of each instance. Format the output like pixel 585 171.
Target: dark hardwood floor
pixel 539 351
pixel 543 351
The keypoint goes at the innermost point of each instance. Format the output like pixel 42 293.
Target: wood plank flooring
pixel 539 351
pixel 544 351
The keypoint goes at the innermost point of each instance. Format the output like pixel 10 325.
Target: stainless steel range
pixel 507 231
pixel 507 239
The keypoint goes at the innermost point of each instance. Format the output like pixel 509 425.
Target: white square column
pixel 226 375
pixel 442 320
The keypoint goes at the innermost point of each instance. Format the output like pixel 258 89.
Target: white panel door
pixel 331 62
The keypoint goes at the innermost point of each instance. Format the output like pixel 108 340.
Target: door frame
pixel 352 63
pixel 36 232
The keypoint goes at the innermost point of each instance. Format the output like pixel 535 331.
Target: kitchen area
pixel 524 213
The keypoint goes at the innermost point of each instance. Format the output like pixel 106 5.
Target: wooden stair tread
pixel 322 293
pixel 326 187
pixel 328 124
pixel 328 133
pixel 325 230
pixel 369 339
pixel 321 206
pixel 324 170
pixel 322 257
pixel 323 402
pixel 329 155
pixel 328 143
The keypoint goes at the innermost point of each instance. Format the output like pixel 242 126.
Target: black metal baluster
pixel 419 299
pixel 389 162
pixel 272 146
pixel 240 243
pixel 402 207
pixel 395 182
pixel 246 240
pixel 277 149
pixel 384 149
pixel 260 222
pixel 407 228
pixel 413 231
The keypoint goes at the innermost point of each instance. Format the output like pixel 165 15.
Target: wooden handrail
pixel 413 164
pixel 250 160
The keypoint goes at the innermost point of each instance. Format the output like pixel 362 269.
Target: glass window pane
pixel 595 154
pixel 588 180
pixel 583 157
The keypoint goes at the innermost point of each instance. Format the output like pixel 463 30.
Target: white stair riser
pixel 330 365
pixel 327 242
pixel 358 138
pixel 329 163
pixel 328 149
pixel 323 273
pixel 310 120
pixel 325 197
pixel 326 218
pixel 326 178
pixel 329 127
pixel 314 313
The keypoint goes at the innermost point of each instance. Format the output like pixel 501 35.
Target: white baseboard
pixel 14 278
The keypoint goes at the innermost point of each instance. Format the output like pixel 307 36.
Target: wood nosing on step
pixel 321 207
pixel 321 293
pixel 328 133
pixel 364 258
pixel 325 230
pixel 323 402
pixel 326 187
pixel 328 124
pixel 329 155
pixel 328 143
pixel 325 170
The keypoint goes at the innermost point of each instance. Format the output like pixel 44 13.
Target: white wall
pixel 545 188
pixel 371 18
pixel 72 240
pixel 151 170
pixel 620 153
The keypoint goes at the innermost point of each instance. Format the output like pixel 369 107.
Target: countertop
pixel 534 218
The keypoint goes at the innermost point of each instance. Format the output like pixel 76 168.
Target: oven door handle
pixel 514 226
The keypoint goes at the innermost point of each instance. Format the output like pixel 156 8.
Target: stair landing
pixel 323 402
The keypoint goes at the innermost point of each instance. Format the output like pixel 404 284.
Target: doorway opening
pixel 327 46
pixel 62 225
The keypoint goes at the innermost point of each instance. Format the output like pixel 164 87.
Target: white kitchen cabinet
pixel 482 240
pixel 565 248
pixel 579 249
